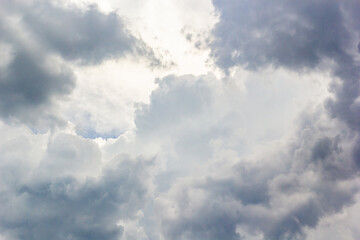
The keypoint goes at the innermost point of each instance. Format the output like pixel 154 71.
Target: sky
pixel 179 120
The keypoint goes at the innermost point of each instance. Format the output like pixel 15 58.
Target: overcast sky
pixel 179 120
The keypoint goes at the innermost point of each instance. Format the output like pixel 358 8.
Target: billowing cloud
pixel 229 192
pixel 266 196
pixel 278 195
pixel 298 36
pixel 63 191
pixel 282 33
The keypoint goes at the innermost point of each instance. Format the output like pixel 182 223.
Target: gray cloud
pixel 174 101
pixel 275 196
pixel 194 125
pixel 283 33
pixel 89 35
pixel 278 196
pixel 34 78
pixel 298 36
pixel 29 85
pixel 61 198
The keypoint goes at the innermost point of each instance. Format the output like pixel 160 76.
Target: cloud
pixel 43 40
pixel 87 35
pixel 63 191
pixel 275 194
pixel 29 85
pixel 278 195
pixel 241 187
pixel 229 165
pixel 300 36
pixel 293 35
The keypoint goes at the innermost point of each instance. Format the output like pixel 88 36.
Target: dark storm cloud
pixel 38 31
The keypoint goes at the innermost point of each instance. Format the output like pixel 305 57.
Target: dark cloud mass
pixel 29 83
pixel 38 31
pixel 291 34
pixel 278 196
pixel 86 35
pixel 298 36
pixel 274 195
